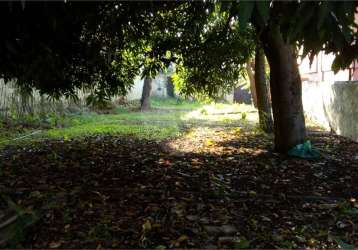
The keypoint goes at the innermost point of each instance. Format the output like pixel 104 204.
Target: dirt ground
pixel 214 187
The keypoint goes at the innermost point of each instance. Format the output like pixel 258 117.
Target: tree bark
pixel 250 74
pixel 286 90
pixel 262 95
pixel 145 100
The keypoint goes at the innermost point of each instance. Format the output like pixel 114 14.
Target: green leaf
pixel 345 246
pixel 245 12
pixel 242 244
pixel 346 33
pixel 304 16
pixel 14 233
pixel 322 13
pixel 352 211
pixel 338 63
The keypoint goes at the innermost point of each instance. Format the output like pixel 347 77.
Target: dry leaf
pixel 55 244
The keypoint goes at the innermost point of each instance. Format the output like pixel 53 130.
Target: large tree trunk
pixel 250 74
pixel 145 100
pixel 286 90
pixel 263 103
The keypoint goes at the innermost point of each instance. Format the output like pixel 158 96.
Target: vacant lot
pixel 183 175
pixel 167 119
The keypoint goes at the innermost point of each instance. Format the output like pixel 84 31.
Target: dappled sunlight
pixel 183 175
pixel 219 141
pixel 165 121
pixel 223 113
pixel 198 184
pixel 117 132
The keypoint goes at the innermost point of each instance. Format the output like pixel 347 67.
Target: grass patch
pixel 147 125
pixel 9 132
pixel 164 121
pixel 174 103
pixel 226 113
pixel 141 131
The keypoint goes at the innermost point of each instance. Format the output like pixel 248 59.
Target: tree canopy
pixel 60 46
pixel 63 46
pixel 57 47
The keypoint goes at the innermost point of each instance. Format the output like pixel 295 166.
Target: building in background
pixel 330 99
pixel 320 70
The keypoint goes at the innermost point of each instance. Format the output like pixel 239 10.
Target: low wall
pixel 333 105
pixel 159 87
pixel 16 104
pixel 135 92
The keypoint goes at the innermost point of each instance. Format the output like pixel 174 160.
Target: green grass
pixel 142 131
pixel 149 125
pixel 174 103
pixel 8 133
pixel 164 121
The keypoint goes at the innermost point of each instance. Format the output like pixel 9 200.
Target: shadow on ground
pixel 213 188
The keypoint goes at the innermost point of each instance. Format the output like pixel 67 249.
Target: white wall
pixel 135 92
pixel 333 105
pixel 159 87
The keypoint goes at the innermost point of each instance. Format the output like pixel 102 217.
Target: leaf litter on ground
pixel 218 187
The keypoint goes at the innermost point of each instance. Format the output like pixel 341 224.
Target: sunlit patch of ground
pixel 167 119
pixel 212 125
pixel 228 191
pixel 217 185
pixel 213 140
pixel 223 113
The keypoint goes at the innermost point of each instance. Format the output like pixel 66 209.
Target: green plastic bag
pixel 305 151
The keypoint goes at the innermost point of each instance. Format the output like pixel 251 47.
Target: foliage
pixel 345 246
pixel 211 59
pixel 14 234
pixel 58 47
pixel 318 25
pixel 99 102
pixel 324 25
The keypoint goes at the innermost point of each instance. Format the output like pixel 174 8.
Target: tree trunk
pixel 250 74
pixel 286 90
pixel 263 103
pixel 170 87
pixel 145 100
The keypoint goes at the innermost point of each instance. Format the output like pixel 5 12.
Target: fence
pixel 16 103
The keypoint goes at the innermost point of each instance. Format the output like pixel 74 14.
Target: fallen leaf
pixel 55 244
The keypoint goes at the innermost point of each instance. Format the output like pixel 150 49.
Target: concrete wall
pixel 135 92
pixel 333 105
pixel 331 99
pixel 159 87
